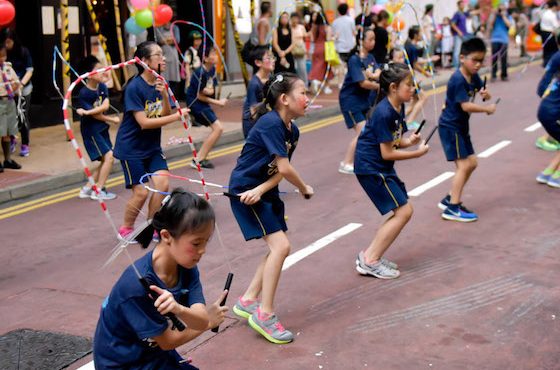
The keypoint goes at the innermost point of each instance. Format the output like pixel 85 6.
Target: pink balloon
pixel 376 8
pixel 140 4
pixel 538 2
pixel 7 13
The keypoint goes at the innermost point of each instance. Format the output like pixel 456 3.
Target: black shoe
pixel 505 78
pixel 12 165
pixel 205 163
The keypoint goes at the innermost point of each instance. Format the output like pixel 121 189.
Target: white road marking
pixel 88 366
pixel 494 148
pixel 430 184
pixel 534 127
pixel 294 258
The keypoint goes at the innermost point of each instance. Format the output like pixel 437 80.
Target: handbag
pixel 298 51
pixel 331 56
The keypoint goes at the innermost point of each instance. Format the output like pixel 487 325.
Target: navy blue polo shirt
pixel 352 97
pixel 89 99
pixel 458 91
pixel 384 126
pixel 200 79
pixel 129 320
pixel 132 141
pixel 549 89
pixel 255 95
pixel 257 162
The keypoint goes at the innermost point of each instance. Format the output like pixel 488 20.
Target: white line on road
pixel 294 258
pixel 88 366
pixel 534 127
pixel 494 148
pixel 430 184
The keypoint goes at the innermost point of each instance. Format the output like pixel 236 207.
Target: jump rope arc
pixel 56 53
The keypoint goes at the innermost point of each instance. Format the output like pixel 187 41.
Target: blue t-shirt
pixel 132 141
pixel 413 52
pixel 460 21
pixel 500 30
pixel 384 126
pixel 352 97
pixel 549 89
pixel 254 96
pixel 257 163
pixel 89 99
pixel 200 79
pixel 459 91
pixel 128 319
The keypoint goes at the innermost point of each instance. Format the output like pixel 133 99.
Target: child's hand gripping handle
pixel 223 302
pixel 178 324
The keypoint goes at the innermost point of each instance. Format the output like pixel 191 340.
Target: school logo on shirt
pixel 397 135
pixel 272 168
pixel 153 109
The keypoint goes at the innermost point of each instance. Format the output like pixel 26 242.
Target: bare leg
pixel 465 168
pixel 255 287
pixel 279 249
pixel 134 205
pixel 208 144
pixel 104 169
pixel 161 183
pixel 387 233
pixel 351 150
pixel 555 163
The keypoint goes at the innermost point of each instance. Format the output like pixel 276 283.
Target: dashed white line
pixel 294 258
pixel 534 127
pixel 430 184
pixel 494 148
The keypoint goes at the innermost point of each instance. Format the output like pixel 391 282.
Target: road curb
pixel 78 178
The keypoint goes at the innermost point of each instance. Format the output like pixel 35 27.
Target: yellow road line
pixel 119 180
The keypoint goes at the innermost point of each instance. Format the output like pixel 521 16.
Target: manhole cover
pixel 31 349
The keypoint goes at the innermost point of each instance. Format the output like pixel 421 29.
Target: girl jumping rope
pixel 379 145
pixel 259 211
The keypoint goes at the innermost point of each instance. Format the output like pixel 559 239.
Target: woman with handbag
pixel 299 51
pixel 282 45
pixel 320 33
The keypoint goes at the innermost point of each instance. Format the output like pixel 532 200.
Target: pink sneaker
pixel 125 233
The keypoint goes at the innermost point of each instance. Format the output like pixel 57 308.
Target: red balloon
pixel 7 13
pixel 163 14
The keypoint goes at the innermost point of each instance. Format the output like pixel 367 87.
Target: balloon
pixel 7 13
pixel 391 16
pixel 527 2
pixel 538 2
pixel 163 14
pixel 394 6
pixel 398 24
pixel 381 2
pixel 131 27
pixel 376 8
pixel 144 18
pixel 140 4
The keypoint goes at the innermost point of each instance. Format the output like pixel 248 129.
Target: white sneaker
pixel 103 195
pixel 85 192
pixel 346 169
pixel 327 90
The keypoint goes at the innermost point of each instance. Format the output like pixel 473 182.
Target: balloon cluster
pixel 147 14
pixel 392 7
pixel 7 12
pixel 533 2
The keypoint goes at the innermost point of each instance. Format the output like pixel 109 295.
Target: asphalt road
pixel 481 295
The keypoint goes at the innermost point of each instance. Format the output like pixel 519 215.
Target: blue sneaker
pixel 542 178
pixel 458 213
pixel 554 182
pixel 445 202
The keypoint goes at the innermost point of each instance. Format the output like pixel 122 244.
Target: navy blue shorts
pixel 260 219
pixel 386 191
pixel 353 118
pixel 97 144
pixel 205 116
pixel 455 145
pixel 551 127
pixel 134 169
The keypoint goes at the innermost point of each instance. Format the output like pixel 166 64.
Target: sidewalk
pixel 53 162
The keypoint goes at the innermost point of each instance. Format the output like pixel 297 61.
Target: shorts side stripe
pixel 352 117
pixel 259 220
pixel 457 146
pixel 97 146
pixel 128 170
pixel 389 190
